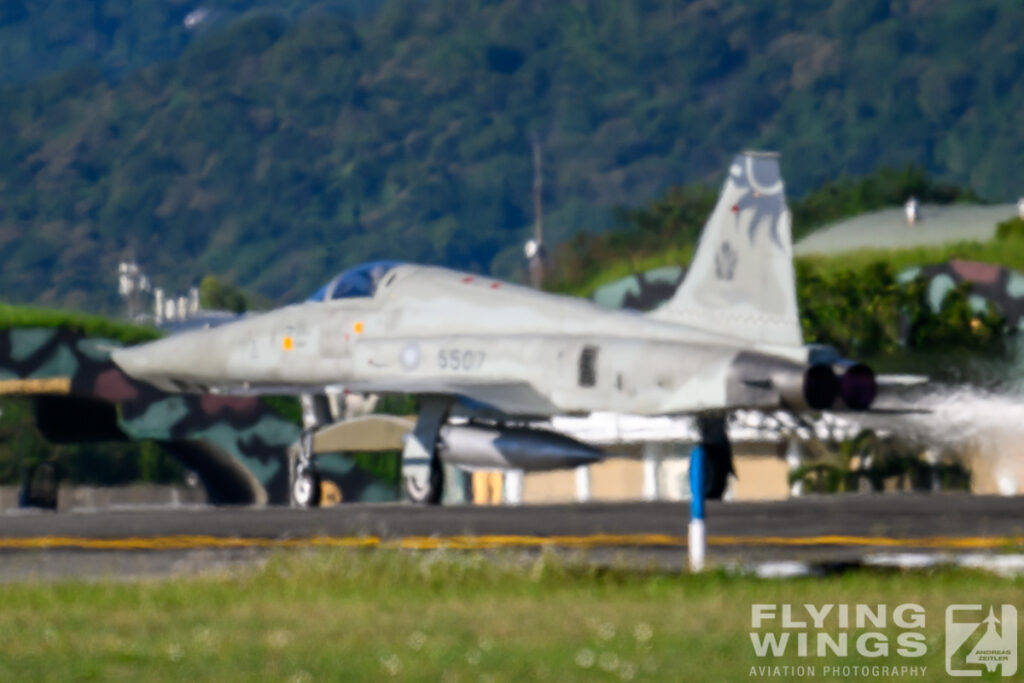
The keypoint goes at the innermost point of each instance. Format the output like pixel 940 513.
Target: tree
pixel 217 295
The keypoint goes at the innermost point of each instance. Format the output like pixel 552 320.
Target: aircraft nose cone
pixel 135 361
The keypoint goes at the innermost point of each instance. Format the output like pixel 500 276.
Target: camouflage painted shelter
pixel 238 446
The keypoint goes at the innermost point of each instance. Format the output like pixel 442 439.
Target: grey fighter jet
pixel 508 356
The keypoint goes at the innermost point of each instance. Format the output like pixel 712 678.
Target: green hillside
pixel 664 232
pixel 277 148
pixel 852 300
pixel 42 37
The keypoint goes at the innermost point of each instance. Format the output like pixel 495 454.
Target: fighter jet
pixel 505 357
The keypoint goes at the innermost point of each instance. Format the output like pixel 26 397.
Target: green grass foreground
pixel 345 615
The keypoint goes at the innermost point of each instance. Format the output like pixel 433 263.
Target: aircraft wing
pixel 511 398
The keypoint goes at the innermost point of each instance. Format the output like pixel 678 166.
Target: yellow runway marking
pixel 936 542
pixel 187 542
pixel 32 385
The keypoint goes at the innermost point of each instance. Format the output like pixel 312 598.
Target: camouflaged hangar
pixel 240 447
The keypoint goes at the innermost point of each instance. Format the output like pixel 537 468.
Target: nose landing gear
pixel 307 490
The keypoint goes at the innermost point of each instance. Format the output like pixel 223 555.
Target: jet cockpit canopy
pixel 358 282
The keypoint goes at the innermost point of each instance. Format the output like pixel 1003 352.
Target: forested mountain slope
pixel 279 147
pixel 41 37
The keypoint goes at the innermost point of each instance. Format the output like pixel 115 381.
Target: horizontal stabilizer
pixel 884 381
pixel 898 411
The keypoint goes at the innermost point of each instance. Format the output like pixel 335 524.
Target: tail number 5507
pixel 460 359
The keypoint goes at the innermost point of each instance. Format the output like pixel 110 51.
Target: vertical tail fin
pixel 741 280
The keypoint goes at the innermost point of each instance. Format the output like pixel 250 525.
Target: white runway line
pixel 785 570
pixel 1002 565
pixel 905 560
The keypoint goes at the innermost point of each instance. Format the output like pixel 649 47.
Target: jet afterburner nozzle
pixel 820 387
pixel 857 386
pixel 816 387
pixel 761 381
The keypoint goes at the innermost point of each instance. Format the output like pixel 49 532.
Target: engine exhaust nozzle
pixel 857 387
pixel 820 387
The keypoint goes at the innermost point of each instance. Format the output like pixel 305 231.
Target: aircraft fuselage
pixel 432 330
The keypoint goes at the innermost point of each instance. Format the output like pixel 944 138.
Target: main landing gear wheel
pixel 426 490
pixel 714 439
pixel 422 472
pixel 719 467
pixel 306 489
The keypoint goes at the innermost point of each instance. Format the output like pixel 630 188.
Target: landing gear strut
pixel 422 471
pixel 718 451
pixel 306 489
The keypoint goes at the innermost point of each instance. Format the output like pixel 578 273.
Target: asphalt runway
pixel 833 529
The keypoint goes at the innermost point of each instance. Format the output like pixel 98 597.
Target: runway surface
pixel 834 529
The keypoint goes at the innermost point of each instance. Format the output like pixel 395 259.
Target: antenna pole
pixel 535 247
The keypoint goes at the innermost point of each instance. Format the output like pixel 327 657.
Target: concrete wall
pixel 549 487
pixel 759 477
pixel 996 469
pixel 99 497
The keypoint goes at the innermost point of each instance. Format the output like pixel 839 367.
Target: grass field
pixel 386 615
